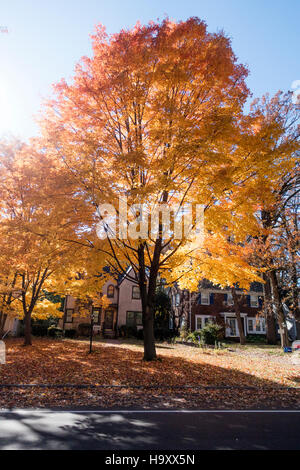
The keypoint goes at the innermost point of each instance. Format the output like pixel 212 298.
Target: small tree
pixel 162 308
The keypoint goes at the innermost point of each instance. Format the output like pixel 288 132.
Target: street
pixel 146 430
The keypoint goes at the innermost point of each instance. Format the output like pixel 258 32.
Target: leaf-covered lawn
pixel 68 363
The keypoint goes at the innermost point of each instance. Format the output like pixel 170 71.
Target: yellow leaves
pixel 45 309
pixel 155 115
pixel 221 261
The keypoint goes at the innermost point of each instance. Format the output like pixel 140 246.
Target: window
pixel 254 301
pixel 136 293
pixel 96 314
pixel 69 315
pixel 110 292
pixel 134 319
pixel 198 323
pixel 232 327
pixel 256 326
pixel 130 320
pixel 139 319
pixel 205 300
pixel 250 325
pixel 229 299
pixel 202 320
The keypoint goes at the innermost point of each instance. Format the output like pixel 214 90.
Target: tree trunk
pixel 269 313
pixel 295 296
pixel 147 290
pixel 279 310
pixel 27 332
pixel 238 317
pixel 2 324
pixel 91 334
pixel 149 339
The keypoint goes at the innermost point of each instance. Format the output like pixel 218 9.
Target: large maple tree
pixel 156 116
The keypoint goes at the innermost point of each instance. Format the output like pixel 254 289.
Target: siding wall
pixel 126 303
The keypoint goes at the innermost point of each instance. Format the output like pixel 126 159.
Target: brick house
pixel 212 304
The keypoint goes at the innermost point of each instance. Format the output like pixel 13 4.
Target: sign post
pixel 92 332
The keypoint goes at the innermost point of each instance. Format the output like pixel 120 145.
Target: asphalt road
pixel 144 430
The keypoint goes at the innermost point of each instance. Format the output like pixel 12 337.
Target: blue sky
pixel 47 37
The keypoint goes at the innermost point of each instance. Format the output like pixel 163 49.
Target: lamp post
pixel 91 332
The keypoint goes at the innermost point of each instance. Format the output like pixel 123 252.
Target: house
pixel 212 304
pixel 11 326
pixel 215 305
pixel 194 310
pixel 125 308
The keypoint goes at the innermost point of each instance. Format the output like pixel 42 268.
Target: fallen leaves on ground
pixel 67 362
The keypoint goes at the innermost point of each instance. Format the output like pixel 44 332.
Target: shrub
pixel 256 339
pixel 211 334
pixel 128 331
pixel 122 331
pixel 194 337
pixel 163 334
pixel 40 328
pixel 84 329
pixel 70 333
pixel 184 333
pixel 55 332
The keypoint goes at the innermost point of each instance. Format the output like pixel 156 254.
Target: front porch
pixel 105 322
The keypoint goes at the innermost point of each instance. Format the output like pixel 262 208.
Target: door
pixel 232 330
pixel 109 320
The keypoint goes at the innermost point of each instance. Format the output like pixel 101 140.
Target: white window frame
pixel 262 324
pixel 254 301
pixel 230 301
pixel 207 302
pixel 252 331
pixel 228 328
pixel 203 318
pixel 96 314
pixel 228 316
pixel 136 293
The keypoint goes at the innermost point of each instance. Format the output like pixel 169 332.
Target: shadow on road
pixel 145 430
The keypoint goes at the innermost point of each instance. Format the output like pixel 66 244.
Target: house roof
pixel 206 284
